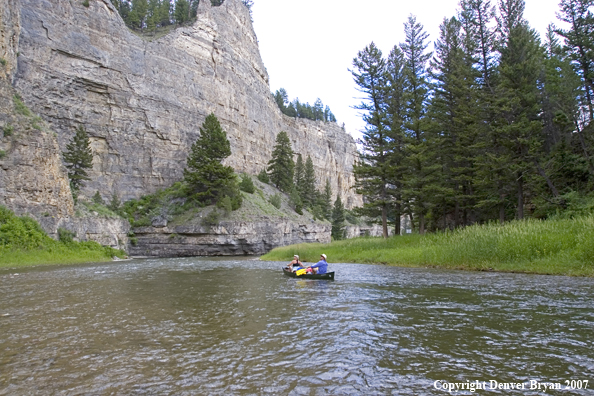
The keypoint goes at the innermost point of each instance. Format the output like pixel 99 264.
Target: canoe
pixel 327 275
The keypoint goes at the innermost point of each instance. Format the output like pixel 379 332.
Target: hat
pixel 296 256
pixel 323 255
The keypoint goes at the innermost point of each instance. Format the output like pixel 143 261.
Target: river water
pixel 198 326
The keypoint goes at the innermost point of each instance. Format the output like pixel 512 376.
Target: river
pixel 237 326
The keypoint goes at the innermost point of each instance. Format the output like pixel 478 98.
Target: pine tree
pixel 326 201
pixel 281 167
pixel 263 176
pixel 309 184
pixel 372 171
pixel 418 187
pixel 78 157
pixel 299 177
pixel 247 184
pixel 518 99
pixel 207 178
pixel 579 44
pixel 338 220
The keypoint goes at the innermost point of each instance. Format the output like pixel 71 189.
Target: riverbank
pixel 552 247
pixel 24 243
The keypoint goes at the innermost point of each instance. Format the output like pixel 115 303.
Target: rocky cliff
pixel 142 102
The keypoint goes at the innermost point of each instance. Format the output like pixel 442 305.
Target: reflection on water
pixel 236 326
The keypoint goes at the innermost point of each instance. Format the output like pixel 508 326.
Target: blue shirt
pixel 322 266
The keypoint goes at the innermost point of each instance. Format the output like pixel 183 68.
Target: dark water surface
pixel 200 326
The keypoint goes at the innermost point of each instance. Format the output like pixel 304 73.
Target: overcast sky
pixel 308 46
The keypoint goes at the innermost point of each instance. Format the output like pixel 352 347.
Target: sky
pixel 308 46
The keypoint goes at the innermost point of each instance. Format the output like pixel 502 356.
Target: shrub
pixel 296 201
pixel 65 235
pixel 3 62
pixel 225 204
pixel 97 199
pixel 133 241
pixel 2 154
pixel 85 3
pixel 275 200
pixel 211 219
pixel 8 130
pixel 263 176
pixel 20 107
pixel 247 184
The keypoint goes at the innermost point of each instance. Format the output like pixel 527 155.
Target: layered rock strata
pixel 142 102
pixel 226 239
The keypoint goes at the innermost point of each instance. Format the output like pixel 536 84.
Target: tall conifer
pixel 281 167
pixel 78 158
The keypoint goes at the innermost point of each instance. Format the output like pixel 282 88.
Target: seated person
pixel 295 262
pixel 321 267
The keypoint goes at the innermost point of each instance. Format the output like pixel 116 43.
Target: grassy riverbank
pixel 24 243
pixel 559 247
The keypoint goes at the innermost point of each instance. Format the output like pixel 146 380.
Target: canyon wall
pixel 142 102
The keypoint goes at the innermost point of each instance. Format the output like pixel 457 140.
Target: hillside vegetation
pixel 559 246
pixel 23 242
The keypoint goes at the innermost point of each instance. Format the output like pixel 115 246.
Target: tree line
pixel 298 180
pixel 317 112
pixel 494 124
pixel 152 14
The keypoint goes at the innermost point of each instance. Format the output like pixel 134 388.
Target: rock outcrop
pixel 226 239
pixel 142 102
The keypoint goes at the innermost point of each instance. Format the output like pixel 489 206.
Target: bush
pixel 3 62
pixel 97 199
pixel 65 235
pixel 211 219
pixel 296 201
pixel 20 107
pixel 2 154
pixel 85 3
pixel 263 176
pixel 247 184
pixel 275 200
pixel 225 204
pixel 8 130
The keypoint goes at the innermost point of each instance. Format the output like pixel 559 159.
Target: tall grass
pixel 23 242
pixel 560 246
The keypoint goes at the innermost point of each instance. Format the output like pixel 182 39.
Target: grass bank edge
pixel 551 247
pixel 24 243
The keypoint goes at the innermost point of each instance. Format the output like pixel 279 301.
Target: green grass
pixel 556 247
pixel 24 243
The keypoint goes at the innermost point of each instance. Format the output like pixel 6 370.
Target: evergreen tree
pixel 299 177
pixel 419 187
pixel 207 178
pixel 579 44
pixel 309 184
pixel 395 111
pixel 114 203
pixel 78 157
pixel 372 171
pixel 182 11
pixel 326 201
pixel 281 167
pixel 247 184
pixel 263 176
pixel 338 220
pixel 518 98
pixel 97 199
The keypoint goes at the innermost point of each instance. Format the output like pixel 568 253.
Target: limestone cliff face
pixel 142 102
pixel 10 29
pixel 32 177
pixel 229 238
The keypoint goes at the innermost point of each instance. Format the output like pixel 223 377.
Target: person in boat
pixel 295 262
pixel 321 267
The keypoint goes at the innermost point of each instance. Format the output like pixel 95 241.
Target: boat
pixel 327 275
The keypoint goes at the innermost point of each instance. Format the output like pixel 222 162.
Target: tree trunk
pixel 520 196
pixel 546 177
pixel 397 215
pixel 421 224
pixel 385 221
